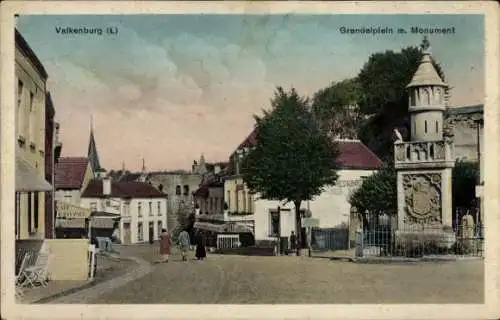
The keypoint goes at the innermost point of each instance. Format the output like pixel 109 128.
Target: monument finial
pixel 91 123
pixel 425 45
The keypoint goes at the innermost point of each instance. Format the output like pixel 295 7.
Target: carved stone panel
pixel 422 198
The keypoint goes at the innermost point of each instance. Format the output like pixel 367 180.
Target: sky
pixel 168 88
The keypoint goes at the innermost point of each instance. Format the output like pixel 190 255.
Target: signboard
pixel 310 222
pixel 69 211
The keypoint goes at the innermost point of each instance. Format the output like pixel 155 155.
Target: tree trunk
pixel 298 225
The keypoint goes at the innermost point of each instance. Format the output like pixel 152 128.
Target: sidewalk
pixel 335 254
pixel 108 267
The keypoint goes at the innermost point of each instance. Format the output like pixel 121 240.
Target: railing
pixel 423 151
pixel 330 239
pixel 227 241
pixel 464 240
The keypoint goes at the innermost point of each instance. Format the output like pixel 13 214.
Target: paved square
pixel 254 280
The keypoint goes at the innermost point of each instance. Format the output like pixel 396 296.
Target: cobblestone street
pixel 240 279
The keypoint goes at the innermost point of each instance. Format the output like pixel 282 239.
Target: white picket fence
pixel 227 241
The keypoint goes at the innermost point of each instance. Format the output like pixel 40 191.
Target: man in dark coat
pixel 201 252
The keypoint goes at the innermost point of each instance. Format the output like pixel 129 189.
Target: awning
pixel 27 179
pixel 68 211
pixel 102 223
pixel 209 226
pixel 238 228
pixel 76 223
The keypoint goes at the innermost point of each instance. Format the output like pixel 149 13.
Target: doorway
pixel 151 231
pixel 126 233
pixel 159 230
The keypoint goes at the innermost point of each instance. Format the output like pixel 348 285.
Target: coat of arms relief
pixel 422 198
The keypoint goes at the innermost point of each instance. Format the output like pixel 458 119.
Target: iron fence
pixel 330 239
pixel 462 240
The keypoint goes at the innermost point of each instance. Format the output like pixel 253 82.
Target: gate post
pixel 359 243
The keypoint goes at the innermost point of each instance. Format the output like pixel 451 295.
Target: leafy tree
pixel 383 80
pixel 293 159
pixel 377 194
pixel 336 108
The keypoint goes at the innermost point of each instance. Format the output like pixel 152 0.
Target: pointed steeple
pixel 92 151
pixel 426 74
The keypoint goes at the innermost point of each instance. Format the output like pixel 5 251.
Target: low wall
pixel 70 259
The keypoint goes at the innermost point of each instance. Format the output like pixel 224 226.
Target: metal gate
pixel 330 239
pixel 228 241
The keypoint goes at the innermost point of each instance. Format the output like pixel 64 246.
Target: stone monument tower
pixel 424 164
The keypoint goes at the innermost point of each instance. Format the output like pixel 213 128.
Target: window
pixel 159 208
pixel 159 228
pixel 150 208
pixel 32 118
pixel 93 206
pixel 425 126
pixel 19 92
pixel 35 206
pixel 244 201
pixel 236 201
pixel 178 190
pixel 30 211
pixel 126 209
pixel 274 224
pixel 186 190
pixel 229 200
pixel 437 126
pixel 249 199
pixel 211 204
pixel 160 187
pixel 140 232
pixel 139 209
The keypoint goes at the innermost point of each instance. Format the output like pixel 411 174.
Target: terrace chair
pixel 20 280
pixel 39 273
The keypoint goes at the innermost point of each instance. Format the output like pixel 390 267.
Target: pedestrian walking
pixel 293 243
pixel 165 246
pixel 201 252
pixel 184 243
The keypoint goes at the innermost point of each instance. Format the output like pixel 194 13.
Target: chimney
pixel 216 168
pixel 106 186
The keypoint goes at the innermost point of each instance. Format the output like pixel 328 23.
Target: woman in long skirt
pixel 201 252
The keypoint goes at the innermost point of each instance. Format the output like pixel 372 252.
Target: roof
pixel 70 172
pixel 23 46
pixel 92 153
pixel 355 155
pixel 466 109
pixel 251 140
pixel 122 189
pixel 426 74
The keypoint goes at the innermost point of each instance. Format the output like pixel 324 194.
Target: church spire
pixel 92 150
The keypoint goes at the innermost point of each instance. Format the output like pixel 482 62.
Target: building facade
pixel 31 155
pixel 227 199
pixel 142 208
pixel 72 176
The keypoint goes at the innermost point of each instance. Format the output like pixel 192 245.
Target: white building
pixel 142 208
pixel 331 208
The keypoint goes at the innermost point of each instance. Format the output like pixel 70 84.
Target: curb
pixel 84 286
pixel 378 260
pixel 143 268
pixel 69 291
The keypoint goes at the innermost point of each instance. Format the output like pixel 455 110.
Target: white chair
pixel 21 275
pixel 39 273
